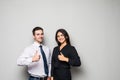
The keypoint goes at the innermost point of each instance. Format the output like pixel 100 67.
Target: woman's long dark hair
pixel 65 34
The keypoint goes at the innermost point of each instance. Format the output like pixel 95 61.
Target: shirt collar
pixel 37 44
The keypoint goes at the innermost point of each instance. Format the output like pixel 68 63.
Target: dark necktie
pixel 45 60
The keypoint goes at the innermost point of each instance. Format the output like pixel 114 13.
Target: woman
pixel 64 56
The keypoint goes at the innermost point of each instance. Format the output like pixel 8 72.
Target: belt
pixel 39 78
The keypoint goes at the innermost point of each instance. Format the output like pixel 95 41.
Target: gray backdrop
pixel 93 25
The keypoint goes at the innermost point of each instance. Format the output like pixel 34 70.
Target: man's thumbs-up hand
pixel 36 57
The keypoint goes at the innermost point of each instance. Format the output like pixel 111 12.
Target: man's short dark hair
pixel 36 28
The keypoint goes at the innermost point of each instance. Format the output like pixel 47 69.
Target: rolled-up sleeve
pixel 25 58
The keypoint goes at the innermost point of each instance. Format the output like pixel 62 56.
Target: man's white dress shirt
pixel 35 69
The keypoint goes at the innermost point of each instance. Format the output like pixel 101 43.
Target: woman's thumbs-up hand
pixel 61 57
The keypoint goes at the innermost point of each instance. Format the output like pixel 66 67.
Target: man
pixel 37 57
